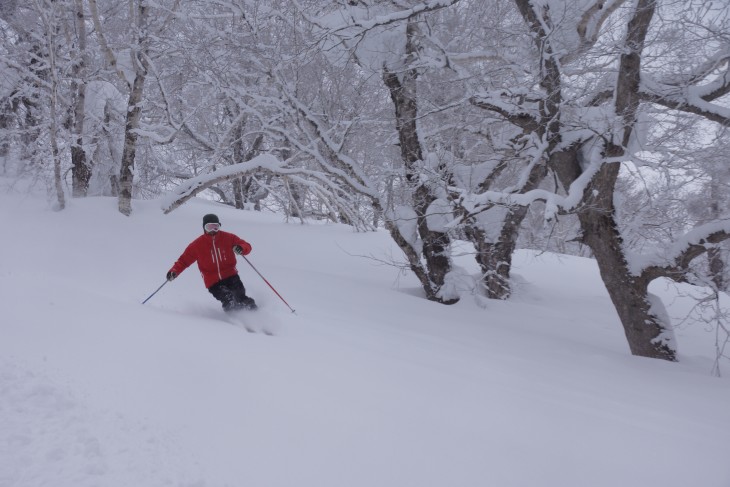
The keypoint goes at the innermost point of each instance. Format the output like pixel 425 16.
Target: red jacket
pixel 214 254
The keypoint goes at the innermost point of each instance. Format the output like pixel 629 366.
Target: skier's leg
pixel 239 293
pixel 222 293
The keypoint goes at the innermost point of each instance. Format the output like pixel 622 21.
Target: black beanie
pixel 211 218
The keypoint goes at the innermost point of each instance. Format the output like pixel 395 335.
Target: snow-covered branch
pixel 515 114
pixel 692 98
pixel 350 19
pixel 708 91
pixel 349 170
pixel 689 100
pixel 674 261
pixel 195 185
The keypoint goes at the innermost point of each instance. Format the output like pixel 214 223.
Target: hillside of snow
pixel 367 385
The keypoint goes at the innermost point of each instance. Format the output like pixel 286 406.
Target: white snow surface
pixel 368 384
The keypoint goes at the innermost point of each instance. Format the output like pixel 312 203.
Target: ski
pixel 263 331
pixel 239 320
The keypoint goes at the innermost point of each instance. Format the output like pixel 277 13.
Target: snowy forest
pixel 596 128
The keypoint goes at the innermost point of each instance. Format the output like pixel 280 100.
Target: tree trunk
pixel 237 183
pixel 715 260
pixel 242 188
pixel 80 170
pixel 49 24
pixel 126 173
pixel 717 268
pixel 495 258
pixel 80 164
pixel 435 249
pixel 647 335
pixel 134 113
pixel 645 332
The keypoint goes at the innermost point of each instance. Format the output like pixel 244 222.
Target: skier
pixel 214 252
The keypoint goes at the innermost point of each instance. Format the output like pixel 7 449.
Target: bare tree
pixel 588 168
pixel 49 19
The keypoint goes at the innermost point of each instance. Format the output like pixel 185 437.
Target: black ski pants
pixel 232 294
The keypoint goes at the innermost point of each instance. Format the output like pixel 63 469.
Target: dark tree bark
pixel 645 332
pixel 403 92
pixel 242 186
pixel 126 173
pixel 81 169
pixel 647 335
pixel 495 257
pixel 134 113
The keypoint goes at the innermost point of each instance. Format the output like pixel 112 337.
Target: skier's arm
pixel 184 261
pixel 244 247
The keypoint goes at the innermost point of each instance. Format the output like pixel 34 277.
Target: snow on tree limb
pixel 195 185
pixel 348 169
pixel 387 19
pixel 674 261
pixel 692 98
pixel 516 114
pixel 688 102
pixel 714 89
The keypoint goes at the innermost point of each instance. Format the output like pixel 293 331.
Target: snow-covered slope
pixel 367 385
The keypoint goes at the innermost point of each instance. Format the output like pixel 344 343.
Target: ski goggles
pixel 212 227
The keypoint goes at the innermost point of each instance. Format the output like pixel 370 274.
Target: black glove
pixel 171 276
pixel 238 249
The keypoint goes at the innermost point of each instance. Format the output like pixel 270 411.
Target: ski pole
pixel 150 296
pixel 269 284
